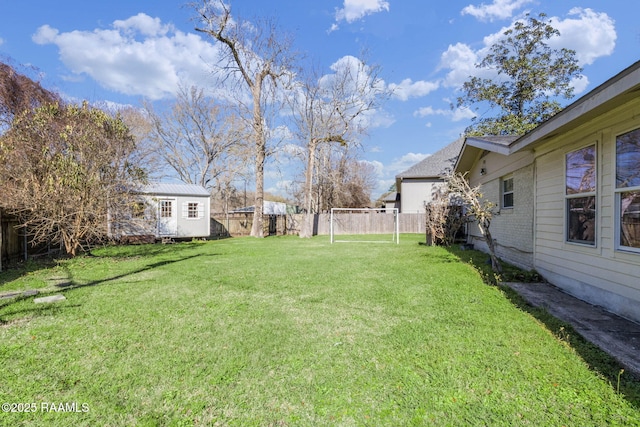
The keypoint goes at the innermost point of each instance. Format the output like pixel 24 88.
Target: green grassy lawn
pixel 288 332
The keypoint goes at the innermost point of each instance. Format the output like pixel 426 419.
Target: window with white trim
pixel 193 210
pixel 580 195
pixel 166 209
pixel 506 187
pixel 628 190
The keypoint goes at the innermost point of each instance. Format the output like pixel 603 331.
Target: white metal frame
pixel 396 224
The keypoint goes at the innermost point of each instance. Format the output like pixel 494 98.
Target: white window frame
pixel 503 193
pixel 581 195
pixel 618 191
pixel 199 210
pixel 164 204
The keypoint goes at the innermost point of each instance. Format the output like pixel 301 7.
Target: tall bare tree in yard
pixel 65 167
pixel 530 77
pixel 329 111
pixel 198 138
pixel 258 56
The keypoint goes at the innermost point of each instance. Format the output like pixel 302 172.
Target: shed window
pixel 628 190
pixel 138 210
pixel 193 210
pixel 166 209
pixel 507 192
pixel 580 184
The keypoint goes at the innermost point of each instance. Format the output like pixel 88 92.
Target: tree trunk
pixel 261 155
pixel 306 231
pixel 257 229
pixel 495 263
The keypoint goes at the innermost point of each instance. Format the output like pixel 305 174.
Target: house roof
pixel 474 145
pixel 391 197
pixel 435 165
pixel 173 189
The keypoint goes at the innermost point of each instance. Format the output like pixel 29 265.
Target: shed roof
pixel 174 189
pixel 437 164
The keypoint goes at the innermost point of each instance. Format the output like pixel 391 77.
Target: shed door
pixel 167 217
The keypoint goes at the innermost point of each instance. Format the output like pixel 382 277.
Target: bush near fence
pixel 239 224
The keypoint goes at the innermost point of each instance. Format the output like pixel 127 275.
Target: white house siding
pixel 511 228
pixel 179 224
pixel 599 274
pixel 417 192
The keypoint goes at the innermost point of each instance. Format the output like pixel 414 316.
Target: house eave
pixel 484 144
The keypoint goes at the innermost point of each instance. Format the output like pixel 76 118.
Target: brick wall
pixel 511 228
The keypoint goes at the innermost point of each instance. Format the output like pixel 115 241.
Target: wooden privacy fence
pixel 239 224
pixel 12 245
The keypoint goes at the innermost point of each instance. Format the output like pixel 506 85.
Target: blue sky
pixel 124 51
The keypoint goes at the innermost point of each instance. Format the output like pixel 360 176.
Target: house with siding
pixel 416 185
pixel 568 195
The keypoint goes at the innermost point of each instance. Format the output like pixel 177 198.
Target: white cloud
pixel 139 56
pixel 591 34
pixel 355 10
pixel 408 89
pixel 144 24
pixel 456 115
pixel 460 59
pixel 403 163
pixel 377 166
pixel 499 9
pixel 463 113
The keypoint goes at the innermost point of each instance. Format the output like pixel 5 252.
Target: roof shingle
pixel 436 165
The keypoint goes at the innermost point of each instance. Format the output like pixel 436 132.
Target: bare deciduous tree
pixel 443 215
pixel 331 110
pixel 198 138
pixel 478 209
pixel 258 56
pixel 19 93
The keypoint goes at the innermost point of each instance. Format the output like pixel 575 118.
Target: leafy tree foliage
pixel 65 168
pixel 531 76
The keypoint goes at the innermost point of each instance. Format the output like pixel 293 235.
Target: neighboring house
pixel 574 182
pixel 166 210
pixel 416 185
pixel 270 208
pixel 391 201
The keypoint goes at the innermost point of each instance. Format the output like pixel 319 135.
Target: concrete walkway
pixel 617 336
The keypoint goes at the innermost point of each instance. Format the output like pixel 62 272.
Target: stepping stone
pixel 10 295
pixel 30 293
pixel 52 298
